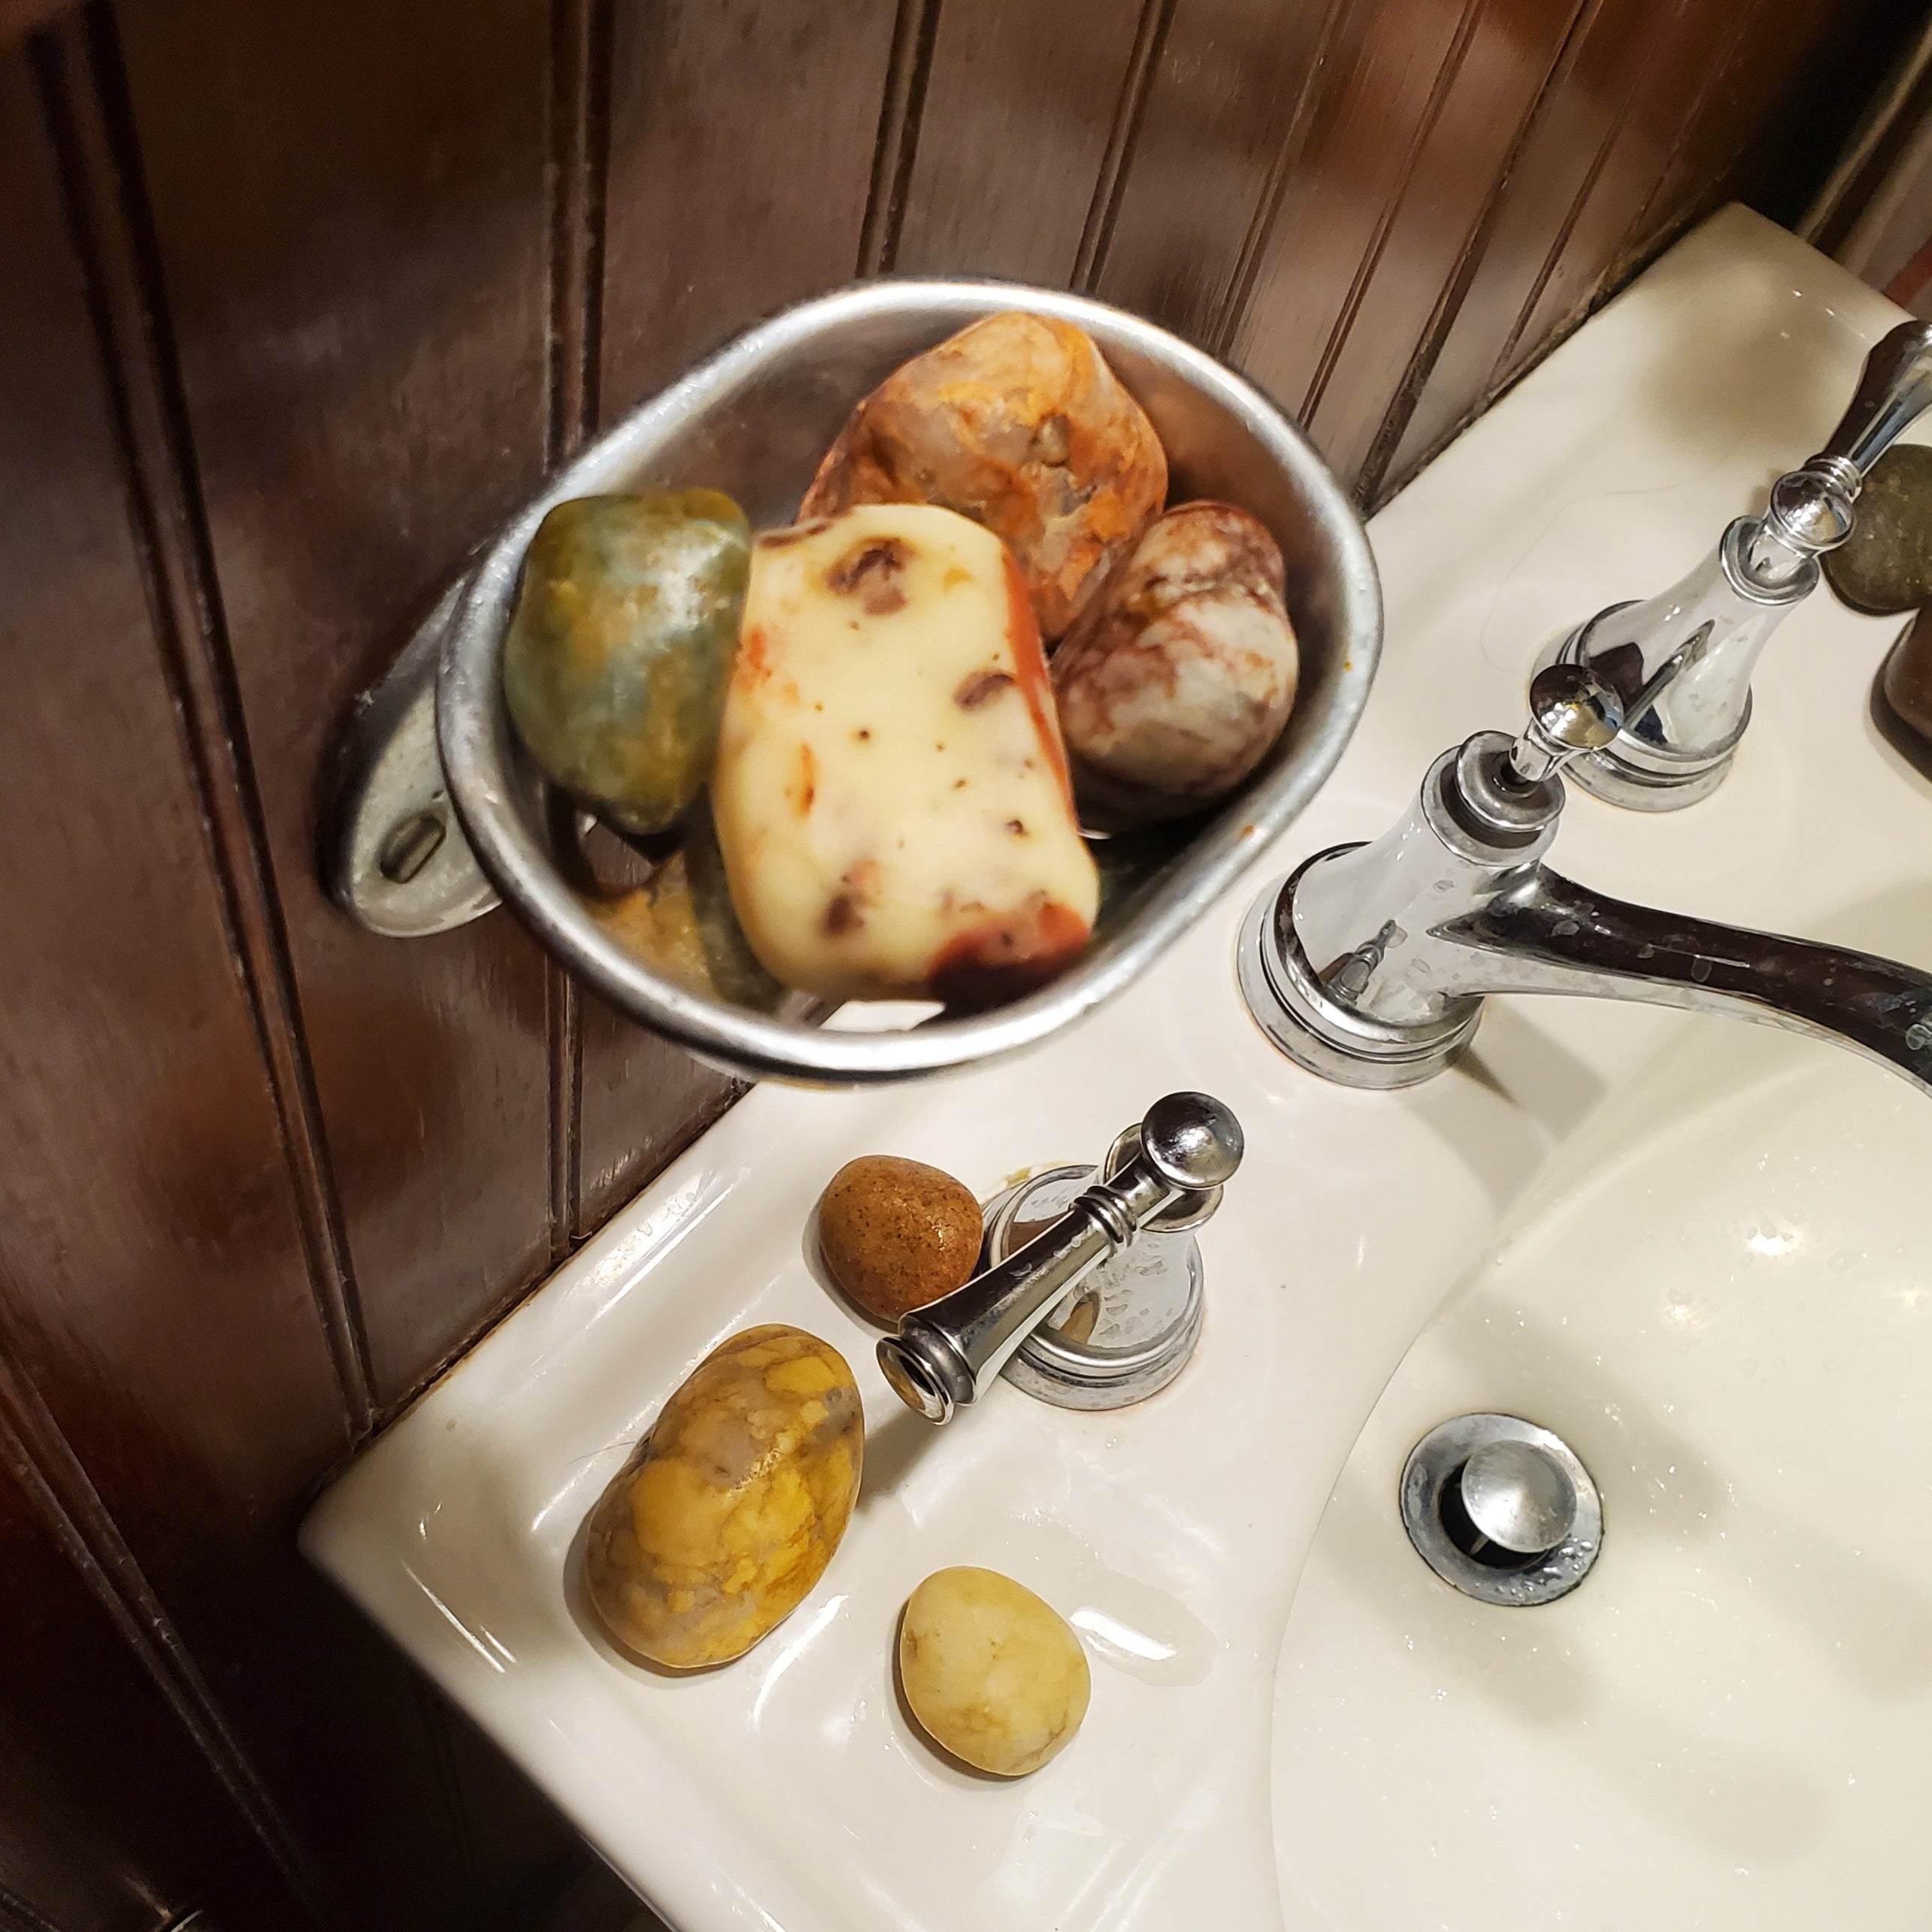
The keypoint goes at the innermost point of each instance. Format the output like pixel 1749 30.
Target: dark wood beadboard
pixel 94 1838
pixel 153 1292
pixel 1225 115
pixel 1492 79
pixel 1683 102
pixel 742 141
pixel 1019 107
pixel 359 318
pixel 157 1300
pixel 742 138
pixel 306 299
pixel 1538 206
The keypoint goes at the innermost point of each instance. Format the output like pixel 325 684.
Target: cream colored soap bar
pixel 891 791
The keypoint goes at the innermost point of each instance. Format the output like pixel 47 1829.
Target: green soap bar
pixel 1885 564
pixel 616 664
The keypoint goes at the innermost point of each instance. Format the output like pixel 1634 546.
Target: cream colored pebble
pixel 995 1676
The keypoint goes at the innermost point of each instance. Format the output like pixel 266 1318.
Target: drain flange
pixel 1502 1509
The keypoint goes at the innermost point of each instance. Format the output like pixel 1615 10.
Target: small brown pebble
pixel 896 1234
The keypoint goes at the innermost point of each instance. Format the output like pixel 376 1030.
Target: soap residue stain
pixel 800 1639
pixel 1144 1631
pixel 1131 1626
pixel 1135 1650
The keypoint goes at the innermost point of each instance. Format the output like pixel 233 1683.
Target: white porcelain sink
pixel 788 1791
pixel 1720 1295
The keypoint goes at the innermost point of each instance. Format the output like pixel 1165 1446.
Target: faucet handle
pixel 1812 508
pixel 1161 1177
pixel 1894 390
pixel 1572 710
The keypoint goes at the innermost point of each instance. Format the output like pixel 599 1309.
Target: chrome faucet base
pixel 1635 771
pixel 1369 965
pixel 1160 1179
pixel 1286 999
pixel 1680 664
pixel 1127 1329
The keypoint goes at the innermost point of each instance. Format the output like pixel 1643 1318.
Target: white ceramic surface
pixel 788 1791
pixel 1720 1295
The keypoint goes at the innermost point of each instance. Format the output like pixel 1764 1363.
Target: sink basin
pixel 1719 1294
pixel 1683 1726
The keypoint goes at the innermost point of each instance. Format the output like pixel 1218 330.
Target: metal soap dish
pixel 754 420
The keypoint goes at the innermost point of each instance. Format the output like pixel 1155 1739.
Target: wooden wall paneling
pixel 19 17
pixel 743 135
pixel 1685 55
pixel 1376 99
pixel 642 1102
pixel 1490 228
pixel 744 138
pixel 1220 123
pixel 351 233
pixel 109 1820
pixel 1725 78
pixel 1540 203
pixel 1765 88
pixel 579 135
pixel 1416 267
pixel 1688 181
pixel 1024 110
pixel 153 1277
pixel 153 1243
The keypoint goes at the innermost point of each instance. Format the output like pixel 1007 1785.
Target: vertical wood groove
pixel 579 170
pixel 1371 260
pixel 1110 184
pixel 1718 73
pixel 1560 241
pixel 40 1458
pixel 1274 188
pixel 909 68
pixel 564 1029
pixel 1475 245
pixel 578 164
pixel 89 120
pixel 17 1915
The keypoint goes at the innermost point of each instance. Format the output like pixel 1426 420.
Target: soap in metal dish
pixel 428 828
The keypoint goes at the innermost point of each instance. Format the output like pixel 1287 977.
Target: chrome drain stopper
pixel 1502 1509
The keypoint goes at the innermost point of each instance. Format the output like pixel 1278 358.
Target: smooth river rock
pixel 728 1512
pixel 616 662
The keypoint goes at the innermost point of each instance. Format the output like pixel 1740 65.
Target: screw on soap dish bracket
pixel 395 857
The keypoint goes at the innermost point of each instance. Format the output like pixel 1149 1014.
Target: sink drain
pixel 1502 1509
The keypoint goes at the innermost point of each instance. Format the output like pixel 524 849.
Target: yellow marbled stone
pixel 994 1674
pixel 728 1512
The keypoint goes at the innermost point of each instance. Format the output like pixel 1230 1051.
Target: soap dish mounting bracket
pixel 396 859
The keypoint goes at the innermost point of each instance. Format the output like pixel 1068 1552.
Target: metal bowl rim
pixel 474 733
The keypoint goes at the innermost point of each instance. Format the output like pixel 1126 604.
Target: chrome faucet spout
pixel 1370 963
pixel 1554 936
